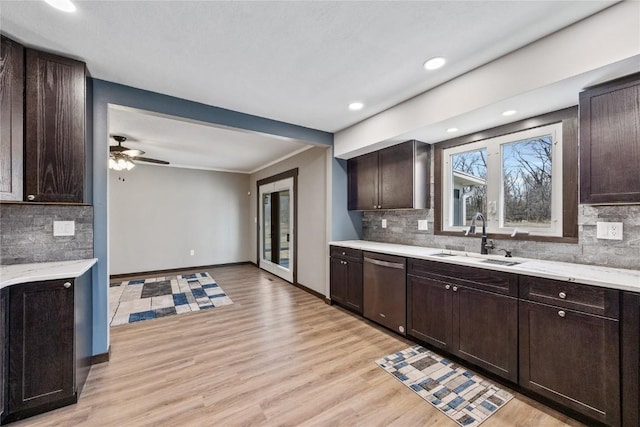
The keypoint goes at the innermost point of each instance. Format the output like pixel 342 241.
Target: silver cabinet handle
pixel 455 289
pixel 447 287
pixel 31 197
pixel 67 285
pixel 561 313
pixel 562 295
pixel 379 206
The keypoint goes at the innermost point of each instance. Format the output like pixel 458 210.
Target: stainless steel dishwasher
pixel 385 290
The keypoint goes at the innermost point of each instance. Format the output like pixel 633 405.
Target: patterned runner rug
pixel 462 395
pixel 136 300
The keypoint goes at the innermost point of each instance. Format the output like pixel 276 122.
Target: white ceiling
pixel 298 62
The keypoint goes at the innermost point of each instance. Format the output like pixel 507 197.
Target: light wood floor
pixel 276 357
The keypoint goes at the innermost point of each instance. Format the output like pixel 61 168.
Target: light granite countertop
pixel 608 277
pixel 37 272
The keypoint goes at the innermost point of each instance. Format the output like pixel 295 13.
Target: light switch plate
pixel 609 230
pixel 64 228
pixel 384 223
pixel 423 225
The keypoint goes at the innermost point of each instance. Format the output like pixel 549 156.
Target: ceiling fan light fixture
pixel 119 161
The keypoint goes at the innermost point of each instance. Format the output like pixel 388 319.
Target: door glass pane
pixel 526 182
pixel 469 183
pixel 284 228
pixel 266 227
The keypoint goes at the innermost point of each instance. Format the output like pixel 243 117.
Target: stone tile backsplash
pixel 26 233
pixel 402 228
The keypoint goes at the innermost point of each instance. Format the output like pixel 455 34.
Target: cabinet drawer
pixel 346 253
pixel 585 298
pixel 478 278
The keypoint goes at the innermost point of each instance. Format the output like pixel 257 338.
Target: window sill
pixel 530 238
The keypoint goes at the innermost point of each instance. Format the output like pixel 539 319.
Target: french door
pixel 276 220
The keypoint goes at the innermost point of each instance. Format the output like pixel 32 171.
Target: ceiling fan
pixel 121 157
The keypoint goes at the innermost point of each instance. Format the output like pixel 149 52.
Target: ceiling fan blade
pixel 148 160
pixel 132 153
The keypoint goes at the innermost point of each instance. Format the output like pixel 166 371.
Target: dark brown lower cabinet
pixel 41 351
pixel 49 343
pixel 572 358
pixel 478 326
pixel 630 359
pixel 3 353
pixel 346 283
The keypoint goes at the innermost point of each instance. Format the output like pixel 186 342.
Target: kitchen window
pixel 514 180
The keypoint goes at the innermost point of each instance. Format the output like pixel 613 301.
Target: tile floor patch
pixel 145 299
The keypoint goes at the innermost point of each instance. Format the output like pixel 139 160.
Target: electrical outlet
pixel 192 252
pixel 384 223
pixel 64 228
pixel 423 225
pixel 609 230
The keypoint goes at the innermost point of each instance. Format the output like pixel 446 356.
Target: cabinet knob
pixel 379 206
pixel 561 313
pixel 342 253
pixel 455 289
pixel 562 295
pixel 345 262
pixel 447 287
pixel 31 197
pixel 375 207
pixel 67 285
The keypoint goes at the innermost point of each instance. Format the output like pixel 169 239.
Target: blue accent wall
pixel 345 225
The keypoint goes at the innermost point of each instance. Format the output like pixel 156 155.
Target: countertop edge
pixel 527 266
pixel 16 274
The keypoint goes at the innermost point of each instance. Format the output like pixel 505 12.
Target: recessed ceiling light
pixel 452 130
pixel 434 63
pixel 355 106
pixel 509 112
pixel 63 5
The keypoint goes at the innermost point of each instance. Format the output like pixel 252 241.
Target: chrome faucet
pixel 472 229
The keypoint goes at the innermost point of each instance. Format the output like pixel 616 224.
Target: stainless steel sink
pixel 442 254
pixel 500 262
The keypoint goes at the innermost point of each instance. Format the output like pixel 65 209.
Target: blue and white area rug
pixel 136 300
pixel 462 395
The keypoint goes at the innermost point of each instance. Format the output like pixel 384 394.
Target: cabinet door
pixel 11 113
pixel 429 304
pixel 41 347
pixel 3 352
pixel 571 358
pixel 338 280
pixel 354 286
pixel 396 176
pixel 610 142
pixel 485 329
pixel 630 359
pixel 54 128
pixel 362 172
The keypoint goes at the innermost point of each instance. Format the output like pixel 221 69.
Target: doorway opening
pixel 277 218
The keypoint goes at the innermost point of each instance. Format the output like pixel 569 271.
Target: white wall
pixel 312 214
pixel 158 214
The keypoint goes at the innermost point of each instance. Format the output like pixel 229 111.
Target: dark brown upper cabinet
pixel 396 177
pixel 610 142
pixel 11 124
pixel 54 128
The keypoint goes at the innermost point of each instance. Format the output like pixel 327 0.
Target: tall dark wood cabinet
pixel 569 346
pixel 11 119
pixel 54 128
pixel 630 359
pixel 396 177
pixel 346 277
pixel 453 307
pixel 610 142
pixel 41 347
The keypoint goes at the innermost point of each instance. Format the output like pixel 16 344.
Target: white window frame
pixel 495 193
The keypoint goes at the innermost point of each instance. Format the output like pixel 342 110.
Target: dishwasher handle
pixel 397 265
